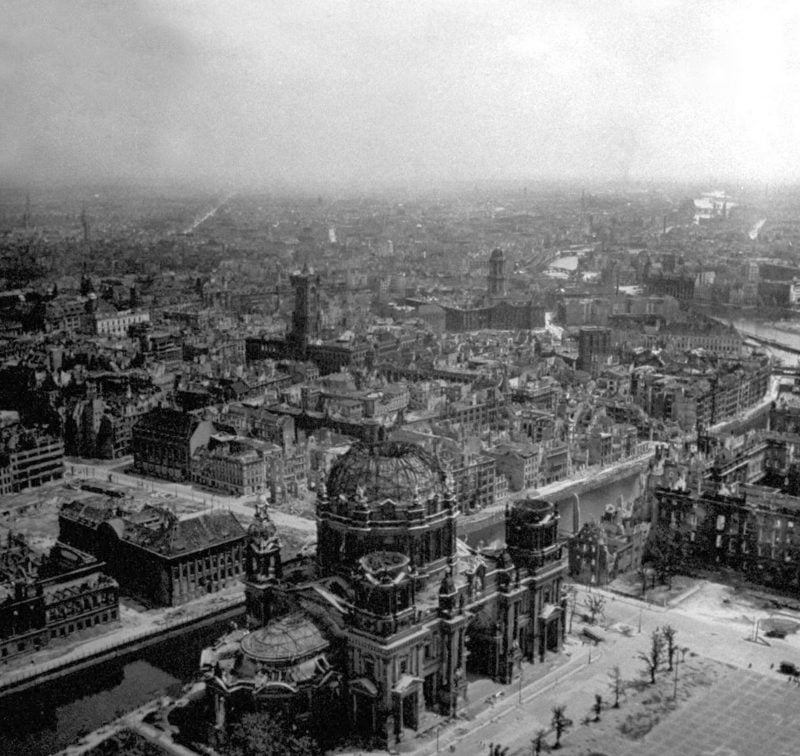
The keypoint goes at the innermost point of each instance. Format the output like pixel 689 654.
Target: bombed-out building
pixel 48 597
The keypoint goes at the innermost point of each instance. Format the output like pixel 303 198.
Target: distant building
pixel 672 285
pixel 236 467
pixel 151 553
pixel 165 440
pixel 29 457
pixel 118 323
pixel 497 287
pixel 303 340
pixel 519 463
pixel 499 316
pixel 594 348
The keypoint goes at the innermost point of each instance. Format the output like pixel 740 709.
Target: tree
pixel 595 604
pixel 654 656
pixel 572 601
pixel 669 634
pixel 665 551
pixel 617 684
pixel 539 743
pixel 560 723
pixel 597 707
pixel 259 734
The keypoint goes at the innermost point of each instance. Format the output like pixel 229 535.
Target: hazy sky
pixel 259 92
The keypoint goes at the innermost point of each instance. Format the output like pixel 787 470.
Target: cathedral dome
pixel 386 470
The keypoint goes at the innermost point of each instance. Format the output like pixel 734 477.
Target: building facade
pixel 754 530
pixel 164 441
pixel 45 598
pixel 29 458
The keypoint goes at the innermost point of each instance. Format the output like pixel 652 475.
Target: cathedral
pixel 394 612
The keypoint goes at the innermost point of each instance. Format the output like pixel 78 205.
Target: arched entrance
pixel 481 644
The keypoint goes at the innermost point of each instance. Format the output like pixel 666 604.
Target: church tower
pixel 497 276
pixel 306 318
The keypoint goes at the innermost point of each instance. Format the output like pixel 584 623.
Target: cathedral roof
pixel 387 470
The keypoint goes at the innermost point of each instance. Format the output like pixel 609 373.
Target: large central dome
pixel 387 470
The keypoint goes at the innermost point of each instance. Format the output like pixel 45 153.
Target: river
pixel 592 506
pixel 48 718
pixel 755 328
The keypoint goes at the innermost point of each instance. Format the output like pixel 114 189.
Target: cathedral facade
pixel 394 611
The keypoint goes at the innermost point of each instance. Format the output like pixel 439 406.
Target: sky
pixel 259 93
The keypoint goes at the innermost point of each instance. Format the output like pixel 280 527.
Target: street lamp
pixel 678 660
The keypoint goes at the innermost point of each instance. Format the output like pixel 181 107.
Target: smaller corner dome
pixel 534 510
pixel 497 254
pixel 261 528
pixel 285 641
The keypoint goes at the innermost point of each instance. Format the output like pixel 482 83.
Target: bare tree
pixel 617 684
pixel 654 656
pixel 571 592
pixel 597 706
pixel 560 723
pixel 669 634
pixel 539 743
pixel 595 604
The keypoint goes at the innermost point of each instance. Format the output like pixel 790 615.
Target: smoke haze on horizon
pixel 254 92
